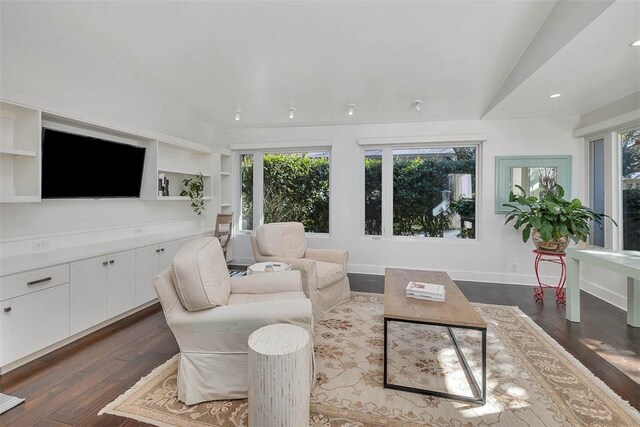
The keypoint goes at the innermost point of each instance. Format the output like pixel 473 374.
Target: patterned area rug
pixel 532 381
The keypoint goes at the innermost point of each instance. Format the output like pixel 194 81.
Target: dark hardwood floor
pixel 70 385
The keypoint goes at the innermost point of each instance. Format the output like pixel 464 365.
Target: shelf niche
pixel 20 136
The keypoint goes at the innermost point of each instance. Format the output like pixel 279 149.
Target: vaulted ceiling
pixel 464 59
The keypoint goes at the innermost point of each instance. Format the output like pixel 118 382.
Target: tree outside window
pixel 630 146
pixel 295 188
pixel 434 192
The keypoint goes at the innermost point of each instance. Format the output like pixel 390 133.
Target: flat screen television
pixel 78 166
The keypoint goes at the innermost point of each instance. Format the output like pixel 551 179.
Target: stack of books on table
pixel 425 291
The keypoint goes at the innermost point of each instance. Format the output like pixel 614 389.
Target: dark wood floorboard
pixel 69 386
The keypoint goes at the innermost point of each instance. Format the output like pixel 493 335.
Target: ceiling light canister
pixel 635 43
pixel 555 95
pixel 351 109
pixel 292 112
pixel 238 114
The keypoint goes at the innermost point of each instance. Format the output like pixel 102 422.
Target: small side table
pixel 259 267
pixel 279 376
pixel 555 258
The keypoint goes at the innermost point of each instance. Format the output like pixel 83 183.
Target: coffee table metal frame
pixel 481 392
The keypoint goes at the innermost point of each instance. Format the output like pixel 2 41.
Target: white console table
pixel 626 263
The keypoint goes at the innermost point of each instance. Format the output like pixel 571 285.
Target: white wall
pixel 490 258
pixel 46 64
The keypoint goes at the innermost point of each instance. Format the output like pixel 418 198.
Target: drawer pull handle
pixel 105 263
pixel 161 249
pixel 7 309
pixel 112 262
pixel 157 250
pixel 35 282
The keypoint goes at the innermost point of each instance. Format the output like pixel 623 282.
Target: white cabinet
pixel 34 311
pixel 151 260
pixel 88 293
pixel 121 286
pixel 101 287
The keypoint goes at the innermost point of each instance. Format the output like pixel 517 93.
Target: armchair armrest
pixel 227 328
pixel 336 256
pixel 281 281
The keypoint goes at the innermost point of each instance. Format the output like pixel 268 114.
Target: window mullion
pixel 387 192
pixel 258 186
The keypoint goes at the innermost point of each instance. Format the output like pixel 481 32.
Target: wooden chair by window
pixel 224 230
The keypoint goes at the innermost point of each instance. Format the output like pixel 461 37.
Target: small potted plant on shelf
pixel 194 188
pixel 551 220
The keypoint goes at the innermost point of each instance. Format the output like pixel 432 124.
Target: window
pixel 630 153
pixel 373 192
pixel 427 191
pixel 290 186
pixel 596 188
pixel 246 192
pixel 434 192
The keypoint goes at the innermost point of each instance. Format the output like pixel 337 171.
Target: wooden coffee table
pixel 455 312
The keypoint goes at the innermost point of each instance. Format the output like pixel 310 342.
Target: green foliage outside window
pixel 296 188
pixel 631 192
pixel 417 189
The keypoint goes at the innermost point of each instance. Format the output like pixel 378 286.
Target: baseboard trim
pixel 604 294
pixel 594 289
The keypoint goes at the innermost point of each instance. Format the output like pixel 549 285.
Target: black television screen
pixel 78 166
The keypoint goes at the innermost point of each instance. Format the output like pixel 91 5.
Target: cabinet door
pixel 121 283
pixel 32 322
pixel 167 251
pixel 88 293
pixel 146 268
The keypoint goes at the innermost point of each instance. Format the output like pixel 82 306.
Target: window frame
pixel 387 190
pixel 258 182
pixel 613 236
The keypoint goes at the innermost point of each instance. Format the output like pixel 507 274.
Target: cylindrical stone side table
pixel 279 381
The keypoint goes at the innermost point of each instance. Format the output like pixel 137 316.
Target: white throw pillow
pixel 200 275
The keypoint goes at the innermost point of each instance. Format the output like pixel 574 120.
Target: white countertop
pixel 30 261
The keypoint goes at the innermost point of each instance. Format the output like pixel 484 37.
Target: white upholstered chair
pixel 212 316
pixel 324 271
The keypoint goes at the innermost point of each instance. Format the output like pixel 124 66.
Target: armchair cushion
pixel 329 273
pixel 281 281
pixel 200 275
pixel 283 239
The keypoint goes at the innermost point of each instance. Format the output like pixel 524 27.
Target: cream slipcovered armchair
pixel 324 271
pixel 212 316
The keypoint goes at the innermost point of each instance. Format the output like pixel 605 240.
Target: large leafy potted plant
pixel 551 220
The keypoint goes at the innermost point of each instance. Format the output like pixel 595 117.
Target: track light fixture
pixel 351 109
pixel 238 114
pixel 417 105
pixel 292 112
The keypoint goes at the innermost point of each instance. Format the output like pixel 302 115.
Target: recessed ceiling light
pixel 555 95
pixel 417 104
pixel 635 43
pixel 292 112
pixel 351 109
pixel 238 114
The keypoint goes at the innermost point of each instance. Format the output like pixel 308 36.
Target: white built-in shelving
pixel 20 135
pixel 225 181
pixel 175 163
pixel 21 153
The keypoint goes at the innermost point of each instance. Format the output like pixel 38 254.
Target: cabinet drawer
pixel 32 322
pixel 19 284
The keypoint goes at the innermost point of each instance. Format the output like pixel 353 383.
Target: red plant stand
pixel 555 258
